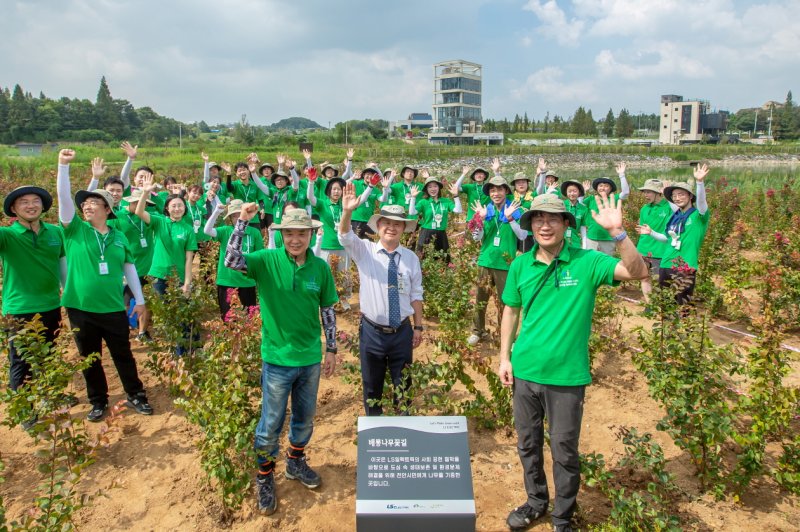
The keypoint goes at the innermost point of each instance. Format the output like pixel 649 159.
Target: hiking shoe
pixel 345 305
pixel 297 469
pixel 265 493
pixel 144 337
pixel 140 404
pixel 473 339
pixel 96 413
pixel 562 528
pixel 522 517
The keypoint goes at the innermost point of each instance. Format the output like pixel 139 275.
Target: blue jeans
pixel 277 382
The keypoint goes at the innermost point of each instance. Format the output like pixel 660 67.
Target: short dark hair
pixel 290 205
pixel 240 165
pixel 169 200
pixel 114 180
pixel 198 188
pixel 170 180
pixel 145 168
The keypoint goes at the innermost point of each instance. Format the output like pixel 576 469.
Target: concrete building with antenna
pixel 690 121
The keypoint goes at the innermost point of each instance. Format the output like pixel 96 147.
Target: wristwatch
pixel 419 328
pixel 620 237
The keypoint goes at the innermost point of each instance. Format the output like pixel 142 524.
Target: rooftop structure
pixel 686 122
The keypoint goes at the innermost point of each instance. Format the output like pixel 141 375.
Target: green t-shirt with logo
pixel 247 193
pixel 329 214
pixel 290 297
pixel 573 234
pixel 434 213
pixel 173 240
pixel 141 239
pixel 95 271
pixel 656 215
pixel 280 197
pixel 196 217
pixel 690 240
pixel 553 343
pixel 401 195
pixel 364 211
pixel 474 191
pixel 251 242
pixel 31 278
pixel 499 244
pixel 595 231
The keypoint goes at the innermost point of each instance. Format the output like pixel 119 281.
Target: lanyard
pixel 141 225
pixel 194 213
pixel 247 189
pixel 101 246
pixel 334 212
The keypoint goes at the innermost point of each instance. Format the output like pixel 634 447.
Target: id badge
pixel 401 284
pixel 568 233
pixel 196 226
pixel 143 242
pixel 497 241
pixel 103 268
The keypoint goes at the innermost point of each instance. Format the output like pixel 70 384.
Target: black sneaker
pixel 265 493
pixel 140 404
pixel 144 337
pixel 96 413
pixel 522 517
pixel 297 469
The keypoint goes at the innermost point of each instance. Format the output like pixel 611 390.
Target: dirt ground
pixel 160 486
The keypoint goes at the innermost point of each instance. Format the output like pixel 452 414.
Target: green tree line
pixel 582 122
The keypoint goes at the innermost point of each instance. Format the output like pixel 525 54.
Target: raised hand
pixel 281 159
pixel 98 169
pixel 414 191
pixel 542 166
pixel 349 198
pixel 65 156
pixel 465 169
pixel 511 209
pixel 220 208
pixel 226 167
pixel 551 189
pixel 643 229
pixel 496 165
pixel 249 210
pixel 621 168
pixel 587 186
pixel 386 181
pixel 290 164
pixel 350 153
pixel 147 183
pixel 479 209
pixel 312 174
pixel 609 213
pixel 306 154
pixel 129 150
pixel 700 172
pixel 454 190
pixel 425 174
pixel 204 155
pixel 374 179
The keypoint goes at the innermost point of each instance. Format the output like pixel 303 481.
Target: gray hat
pixel 275 175
pixel 520 176
pixel 392 212
pixel 296 219
pixel 136 195
pixel 265 165
pixel 325 166
pixel 430 180
pixel 83 195
pixel 546 203
pixel 550 173
pixel 478 169
pixel 683 186
pixel 402 171
pixel 214 165
pixel 653 185
pixel 235 206
pixel 496 181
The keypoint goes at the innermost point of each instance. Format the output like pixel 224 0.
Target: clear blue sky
pixel 330 61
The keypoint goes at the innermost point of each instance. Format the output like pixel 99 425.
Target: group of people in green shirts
pixel 132 234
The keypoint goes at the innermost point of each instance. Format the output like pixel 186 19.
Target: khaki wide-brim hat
pixel 234 207
pixel 214 165
pixel 652 185
pixel 325 166
pixel 496 181
pixel 297 219
pixel 392 212
pixel 83 195
pixel 546 203
pixel 430 180
pixel 403 171
pixel 275 175
pixel 520 176
pixel 600 180
pixel 479 169
pixel 265 165
pixel 551 174
pixel 683 186
pixel 566 184
pixel 136 195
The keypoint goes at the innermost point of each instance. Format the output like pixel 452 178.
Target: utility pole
pixel 345 132
pixel 180 135
pixel 755 122
pixel 770 121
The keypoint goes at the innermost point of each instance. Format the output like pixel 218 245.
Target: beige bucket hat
pixel 297 219
pixel 546 203
pixel 392 212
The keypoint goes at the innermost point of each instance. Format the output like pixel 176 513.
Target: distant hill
pixel 293 123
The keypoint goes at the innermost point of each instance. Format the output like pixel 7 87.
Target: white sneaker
pixel 345 305
pixel 473 339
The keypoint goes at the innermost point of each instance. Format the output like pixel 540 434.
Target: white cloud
pixel 548 85
pixel 554 22
pixel 672 63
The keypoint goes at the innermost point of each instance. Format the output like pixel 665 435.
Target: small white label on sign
pixel 497 241
pixel 103 268
pixel 143 242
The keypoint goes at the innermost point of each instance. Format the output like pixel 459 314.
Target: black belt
pixel 383 328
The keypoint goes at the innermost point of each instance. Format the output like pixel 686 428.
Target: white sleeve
pixel 348 172
pixel 540 183
pixel 295 179
pixel 93 185
pixel 62 271
pixel 626 188
pixel 583 237
pixel 66 206
pixel 133 282
pixel 365 195
pixel 459 181
pixel 271 239
pixel 260 185
pixel 412 206
pixel 317 249
pixel 457 209
pixel 206 173
pixel 661 237
pixel 125 173
pixel 355 247
pixel 210 223
pixel 519 231
pixel 385 194
pixel 312 199
pixel 702 204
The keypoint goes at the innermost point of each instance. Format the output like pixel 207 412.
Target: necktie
pixel 394 292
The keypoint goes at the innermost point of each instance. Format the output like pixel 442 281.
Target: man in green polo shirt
pixel 34 266
pixel 555 283
pixel 99 257
pixel 296 292
pixel 654 214
pixel 498 237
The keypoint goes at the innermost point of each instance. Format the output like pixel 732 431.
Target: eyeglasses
pixel 27 203
pixel 93 203
pixel 539 221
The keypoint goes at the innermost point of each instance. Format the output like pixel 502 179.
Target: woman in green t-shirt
pixel 329 210
pixel 524 196
pixel 434 211
pixel 575 236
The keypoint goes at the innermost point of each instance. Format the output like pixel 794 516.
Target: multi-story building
pixel 684 122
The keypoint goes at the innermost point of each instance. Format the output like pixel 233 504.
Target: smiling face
pixel 116 190
pixel 266 172
pixel 432 189
pixel 548 228
pixel 335 192
pixel 479 176
pixel 296 241
pixel 390 232
pixel 138 179
pixel 194 194
pixel 498 194
pixel 573 193
pixel 95 210
pixel 550 180
pixel 281 182
pixel 603 189
pixel 243 174
pixel 681 198
pixel 176 209
pixel 28 207
pixel 329 172
pixel 521 186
